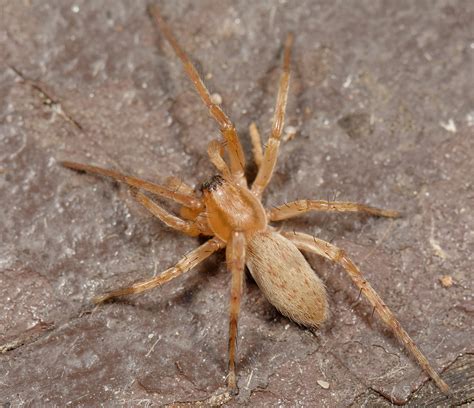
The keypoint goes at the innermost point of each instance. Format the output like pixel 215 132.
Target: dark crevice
pixel 48 98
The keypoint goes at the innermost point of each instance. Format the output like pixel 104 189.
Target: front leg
pixel 191 228
pixel 269 159
pixel 234 147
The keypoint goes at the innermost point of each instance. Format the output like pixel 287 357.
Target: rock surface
pixel 382 103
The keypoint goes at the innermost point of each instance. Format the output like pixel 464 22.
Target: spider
pixel 231 214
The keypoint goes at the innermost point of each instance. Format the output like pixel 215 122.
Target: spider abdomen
pixel 286 279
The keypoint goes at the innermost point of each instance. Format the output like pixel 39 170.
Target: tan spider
pixel 232 215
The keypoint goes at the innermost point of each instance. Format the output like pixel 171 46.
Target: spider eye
pixel 212 183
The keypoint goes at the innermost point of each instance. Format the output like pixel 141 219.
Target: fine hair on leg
pixel 270 156
pixel 189 261
pixel 300 207
pixel 235 257
pixel 187 200
pixel 234 147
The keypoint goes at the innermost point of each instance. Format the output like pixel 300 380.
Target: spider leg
pixel 191 228
pixel 256 144
pixel 178 185
pixel 227 128
pixel 300 207
pixel 312 244
pixel 189 261
pixel 187 200
pixel 235 256
pixel 192 214
pixel 215 150
pixel 271 151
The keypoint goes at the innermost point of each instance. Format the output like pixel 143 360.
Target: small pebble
pixel 446 281
pixel 290 133
pixel 323 384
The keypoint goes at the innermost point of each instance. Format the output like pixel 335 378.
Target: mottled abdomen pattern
pixel 286 279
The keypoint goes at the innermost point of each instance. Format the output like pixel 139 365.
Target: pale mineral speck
pixel 347 82
pixel 216 98
pixel 470 119
pixel 450 126
pixel 290 133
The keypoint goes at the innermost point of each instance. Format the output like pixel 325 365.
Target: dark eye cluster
pixel 212 183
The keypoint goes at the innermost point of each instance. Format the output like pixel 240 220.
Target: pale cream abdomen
pixel 286 279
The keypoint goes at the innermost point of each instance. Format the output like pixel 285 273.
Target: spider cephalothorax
pixel 232 216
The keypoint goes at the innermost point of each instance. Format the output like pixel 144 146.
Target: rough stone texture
pixel 382 100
